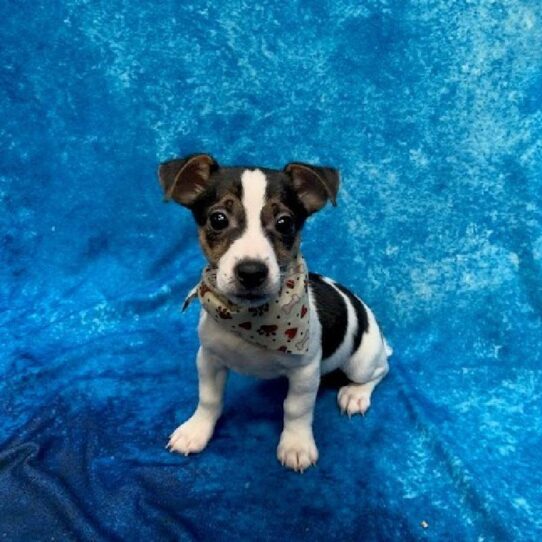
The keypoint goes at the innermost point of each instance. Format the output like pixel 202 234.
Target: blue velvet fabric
pixel 432 110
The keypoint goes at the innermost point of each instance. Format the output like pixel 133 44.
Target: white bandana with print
pixel 281 324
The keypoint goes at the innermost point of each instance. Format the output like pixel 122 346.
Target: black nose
pixel 251 273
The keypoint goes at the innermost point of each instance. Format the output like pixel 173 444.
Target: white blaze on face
pixel 253 243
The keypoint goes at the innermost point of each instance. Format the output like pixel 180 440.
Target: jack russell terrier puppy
pixel 262 313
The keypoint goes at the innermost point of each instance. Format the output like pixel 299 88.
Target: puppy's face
pixel 249 219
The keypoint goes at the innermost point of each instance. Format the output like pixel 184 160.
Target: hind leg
pixel 365 372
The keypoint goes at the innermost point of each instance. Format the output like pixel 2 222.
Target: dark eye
pixel 285 225
pixel 218 220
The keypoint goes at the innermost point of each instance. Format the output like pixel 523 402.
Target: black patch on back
pixel 331 313
pixel 361 313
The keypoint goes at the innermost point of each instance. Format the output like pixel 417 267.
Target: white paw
pixel 297 451
pixel 191 437
pixel 354 399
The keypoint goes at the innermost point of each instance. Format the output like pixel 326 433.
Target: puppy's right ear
pixel 184 179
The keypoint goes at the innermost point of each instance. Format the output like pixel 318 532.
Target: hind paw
pixel 354 399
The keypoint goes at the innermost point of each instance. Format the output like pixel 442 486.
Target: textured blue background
pixel 432 111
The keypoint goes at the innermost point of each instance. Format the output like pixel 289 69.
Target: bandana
pixel 281 324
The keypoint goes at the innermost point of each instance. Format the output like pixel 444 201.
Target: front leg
pixel 194 434
pixel 297 449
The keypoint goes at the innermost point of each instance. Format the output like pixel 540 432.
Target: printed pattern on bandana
pixel 281 324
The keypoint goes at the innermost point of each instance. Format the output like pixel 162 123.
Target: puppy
pixel 262 313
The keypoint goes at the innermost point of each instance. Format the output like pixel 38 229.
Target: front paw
pixel 192 436
pixel 297 451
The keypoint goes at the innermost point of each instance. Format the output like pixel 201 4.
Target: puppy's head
pixel 249 219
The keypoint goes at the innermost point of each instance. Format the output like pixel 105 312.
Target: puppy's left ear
pixel 184 179
pixel 314 185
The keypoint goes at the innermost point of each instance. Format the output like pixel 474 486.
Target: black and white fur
pixel 343 331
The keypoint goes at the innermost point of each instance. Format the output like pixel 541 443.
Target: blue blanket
pixel 431 110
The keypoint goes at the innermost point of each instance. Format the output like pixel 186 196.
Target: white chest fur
pixel 235 353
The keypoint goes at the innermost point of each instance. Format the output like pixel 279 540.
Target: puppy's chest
pixel 241 356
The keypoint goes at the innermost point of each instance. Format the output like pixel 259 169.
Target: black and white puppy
pixel 255 216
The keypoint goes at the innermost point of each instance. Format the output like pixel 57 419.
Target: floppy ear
pixel 314 185
pixel 183 179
